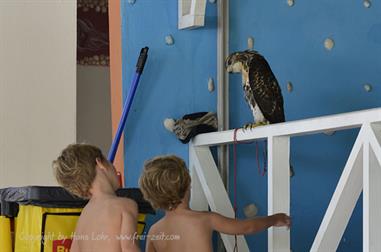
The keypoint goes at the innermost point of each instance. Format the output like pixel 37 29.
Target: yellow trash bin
pixel 5 234
pixel 45 217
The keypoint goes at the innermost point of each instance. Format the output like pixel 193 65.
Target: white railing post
pixel 366 208
pixel 343 201
pixel 278 190
pixel 372 190
pixel 198 200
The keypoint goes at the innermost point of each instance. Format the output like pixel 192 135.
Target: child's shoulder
pixel 205 217
pixel 201 214
pixel 194 216
pixel 125 205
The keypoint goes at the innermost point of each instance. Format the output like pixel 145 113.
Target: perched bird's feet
pixel 253 125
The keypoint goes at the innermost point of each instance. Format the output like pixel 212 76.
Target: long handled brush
pixel 127 105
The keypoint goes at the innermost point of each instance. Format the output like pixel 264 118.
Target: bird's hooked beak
pixel 232 64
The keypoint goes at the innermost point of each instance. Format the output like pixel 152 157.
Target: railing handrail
pixel 301 127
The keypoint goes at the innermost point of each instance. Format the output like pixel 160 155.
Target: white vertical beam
pixel 223 90
pixel 215 192
pixel 375 139
pixel 279 190
pixel 198 200
pixel 343 201
pixel 223 85
pixel 372 192
pixel 366 213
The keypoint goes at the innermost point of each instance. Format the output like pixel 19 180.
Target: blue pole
pixel 127 105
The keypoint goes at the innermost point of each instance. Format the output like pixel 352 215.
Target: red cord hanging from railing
pixel 260 172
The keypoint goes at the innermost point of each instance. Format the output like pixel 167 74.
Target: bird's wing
pixel 267 92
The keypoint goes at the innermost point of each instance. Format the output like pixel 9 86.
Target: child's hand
pixel 281 220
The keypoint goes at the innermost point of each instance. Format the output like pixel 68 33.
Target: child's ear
pixel 100 164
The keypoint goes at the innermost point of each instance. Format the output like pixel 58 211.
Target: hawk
pixel 261 89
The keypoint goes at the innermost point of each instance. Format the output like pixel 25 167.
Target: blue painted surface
pixel 325 82
pixel 174 83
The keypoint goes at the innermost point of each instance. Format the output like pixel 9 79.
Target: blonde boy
pixel 85 172
pixel 165 183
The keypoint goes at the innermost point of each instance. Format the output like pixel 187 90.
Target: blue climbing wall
pixel 325 82
pixel 174 83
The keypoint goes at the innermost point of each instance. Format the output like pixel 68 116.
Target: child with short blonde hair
pixel 165 183
pixel 84 171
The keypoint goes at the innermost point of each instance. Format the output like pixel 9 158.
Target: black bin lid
pixel 58 197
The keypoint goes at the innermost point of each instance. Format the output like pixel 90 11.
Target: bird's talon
pixel 253 125
pixel 246 126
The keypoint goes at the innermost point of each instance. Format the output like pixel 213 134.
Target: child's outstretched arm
pixel 241 227
pixel 129 228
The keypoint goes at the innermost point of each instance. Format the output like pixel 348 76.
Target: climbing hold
pixel 169 124
pixel 329 133
pixel 290 87
pixel 329 44
pixel 131 2
pixel 367 3
pixel 210 84
pixel 169 40
pixel 250 43
pixel 250 210
pixel 368 87
pixel 290 3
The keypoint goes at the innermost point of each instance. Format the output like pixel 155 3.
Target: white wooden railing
pixel 362 173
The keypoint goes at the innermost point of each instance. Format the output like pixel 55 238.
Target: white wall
pixel 93 106
pixel 37 88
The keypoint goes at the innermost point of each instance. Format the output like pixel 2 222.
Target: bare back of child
pixel 165 182
pixel 186 230
pixel 107 223
pixel 180 230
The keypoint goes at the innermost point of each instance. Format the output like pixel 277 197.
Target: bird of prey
pixel 261 89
